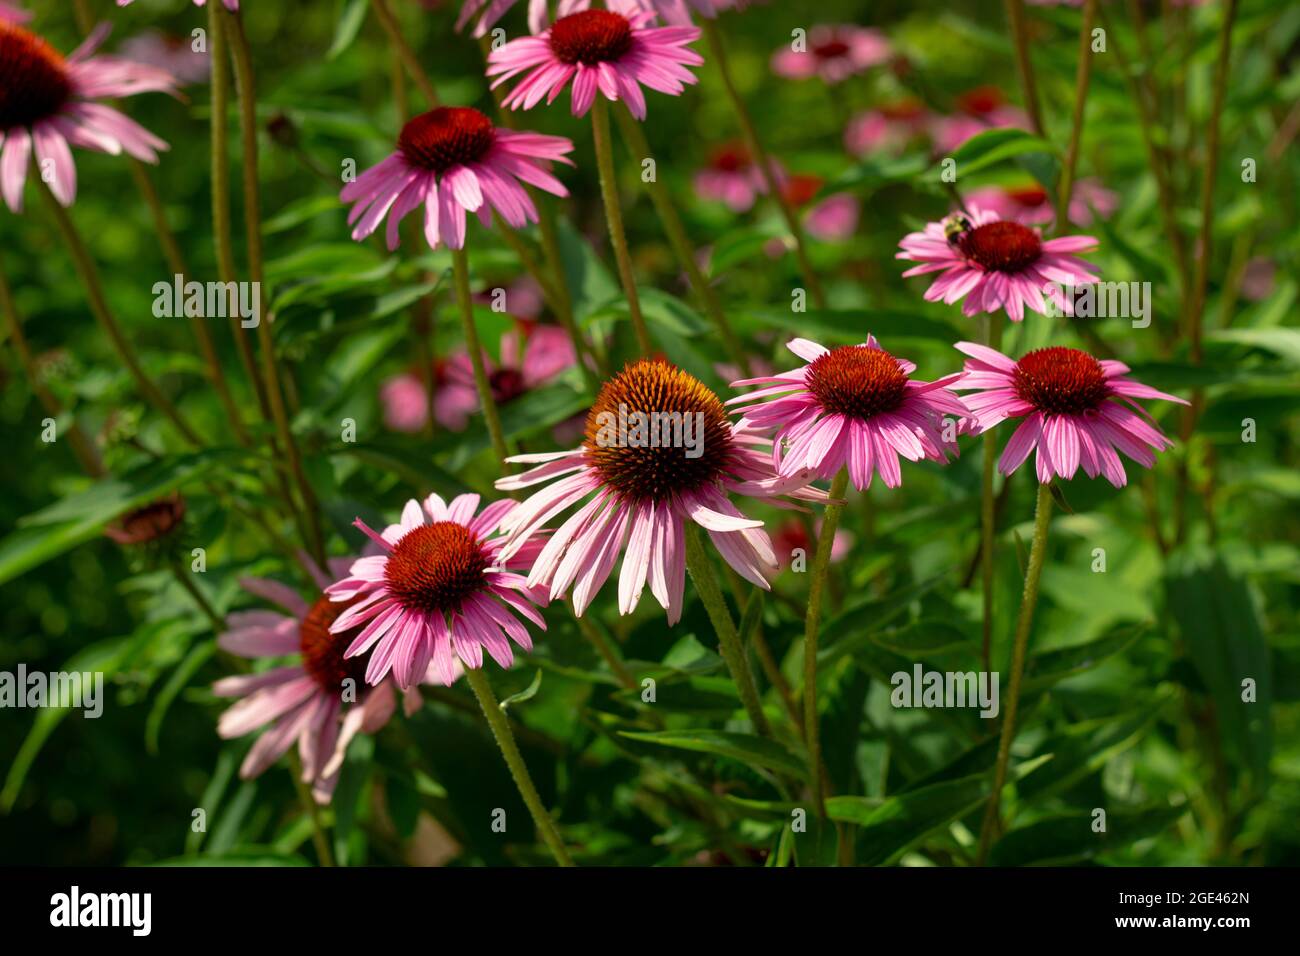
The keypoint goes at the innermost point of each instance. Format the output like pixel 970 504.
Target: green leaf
pixel 526 694
pixel 348 26
pixel 1065 838
pixel 1284 342
pixel 853 325
pixel 1224 640
pixel 890 828
pixel 990 147
pixel 1049 667
pixel 180 677
pixel 747 748
pixel 78 518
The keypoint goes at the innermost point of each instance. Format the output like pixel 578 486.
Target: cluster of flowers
pixel 450 580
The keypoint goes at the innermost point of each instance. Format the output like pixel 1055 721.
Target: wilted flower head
pixel 47 105
pixel 1077 410
pixel 150 523
pixel 452 160
pixel 321 701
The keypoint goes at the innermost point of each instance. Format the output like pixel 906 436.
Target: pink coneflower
pixel 888 128
pixel 977 110
pixel 731 177
pixel 996 264
pixel 792 536
pixel 440 591
pixel 643 487
pixel 1030 204
pixel 229 4
pixel 13 13
pixel 1076 410
pixel 833 53
pixel 175 54
pixel 832 219
pixel 531 355
pixel 321 701
pixel 453 160
pixel 46 105
pixel 600 51
pixel 851 406
pixel 490 11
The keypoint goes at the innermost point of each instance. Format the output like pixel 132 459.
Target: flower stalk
pixel 505 739
pixel 1042 518
pixel 812 626
pixel 614 217
pixel 460 270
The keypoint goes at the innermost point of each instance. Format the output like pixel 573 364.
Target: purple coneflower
pixel 643 491
pixel 439 591
pixel 452 160
pixel 1077 410
pixel 852 406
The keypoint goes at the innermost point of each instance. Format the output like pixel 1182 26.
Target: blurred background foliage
pixel 1133 696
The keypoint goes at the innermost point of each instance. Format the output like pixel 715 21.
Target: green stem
pixel 1082 76
pixel 1042 518
pixel 1147 126
pixel 812 626
pixel 221 228
pixel 247 93
pixel 596 637
pixel 192 589
pixel 1020 40
pixel 614 216
pixel 671 220
pixel 310 808
pixel 478 683
pixel 405 53
pixel 460 270
pixel 765 165
pixel 89 276
pixel 988 509
pixel 733 652
pixel 82 447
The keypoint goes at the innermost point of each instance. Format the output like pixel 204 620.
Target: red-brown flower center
pixel 907 108
pixel 1002 246
pixel 322 652
pixel 830 50
pixel 656 431
pixel 980 101
pixel 857 381
pixel 435 567
pixel 590 37
pixel 507 383
pixel 730 158
pixel 1029 196
pixel 800 188
pixel 446 137
pixel 34 83
pixel 148 523
pixel 1061 381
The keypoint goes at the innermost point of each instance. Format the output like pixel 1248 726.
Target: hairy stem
pixel 478 683
pixel 733 652
pixel 811 629
pixel 764 161
pixel 614 216
pixel 460 269
pixel 1042 518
